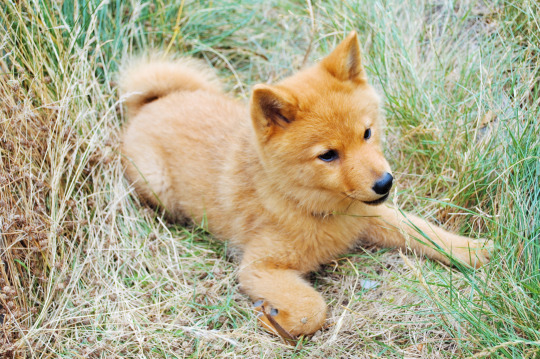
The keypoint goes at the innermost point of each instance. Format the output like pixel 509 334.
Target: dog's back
pixel 181 127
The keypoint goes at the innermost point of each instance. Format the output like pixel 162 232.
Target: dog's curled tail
pixel 145 80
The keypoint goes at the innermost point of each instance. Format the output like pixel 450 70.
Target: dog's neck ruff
pixel 315 214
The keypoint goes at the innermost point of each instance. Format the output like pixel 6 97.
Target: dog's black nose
pixel 383 185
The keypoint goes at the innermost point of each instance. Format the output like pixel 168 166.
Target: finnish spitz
pixel 292 180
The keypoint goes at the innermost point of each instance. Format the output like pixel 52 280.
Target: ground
pixel 89 271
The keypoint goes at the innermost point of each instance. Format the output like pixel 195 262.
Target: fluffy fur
pixel 256 173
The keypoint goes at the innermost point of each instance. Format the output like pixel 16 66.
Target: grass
pixel 87 271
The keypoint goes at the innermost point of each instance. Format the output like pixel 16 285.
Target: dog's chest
pixel 323 241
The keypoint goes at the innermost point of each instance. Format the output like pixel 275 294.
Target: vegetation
pixel 88 271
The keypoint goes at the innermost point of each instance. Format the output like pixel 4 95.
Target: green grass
pixel 88 271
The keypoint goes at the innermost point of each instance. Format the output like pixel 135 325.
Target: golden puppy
pixel 293 180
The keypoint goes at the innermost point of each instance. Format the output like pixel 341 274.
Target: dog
pixel 293 180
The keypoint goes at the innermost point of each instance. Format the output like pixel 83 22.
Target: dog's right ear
pixel 345 62
pixel 272 108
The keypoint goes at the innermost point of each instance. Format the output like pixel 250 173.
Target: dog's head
pixel 319 131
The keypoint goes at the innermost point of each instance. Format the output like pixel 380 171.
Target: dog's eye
pixel 367 134
pixel 329 156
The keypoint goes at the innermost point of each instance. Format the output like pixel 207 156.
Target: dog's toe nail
pixel 258 303
pixel 303 320
pixel 274 312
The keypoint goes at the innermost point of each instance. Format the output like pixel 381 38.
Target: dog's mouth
pixel 377 201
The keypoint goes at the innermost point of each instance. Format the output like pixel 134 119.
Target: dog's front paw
pixel 287 324
pixel 475 252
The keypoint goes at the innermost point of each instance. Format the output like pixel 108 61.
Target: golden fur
pixel 256 176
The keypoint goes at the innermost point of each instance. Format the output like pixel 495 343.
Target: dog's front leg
pixel 391 228
pixel 283 294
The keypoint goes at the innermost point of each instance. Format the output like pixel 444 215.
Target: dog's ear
pixel 345 62
pixel 271 107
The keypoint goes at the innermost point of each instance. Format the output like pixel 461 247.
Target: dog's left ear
pixel 272 107
pixel 345 62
